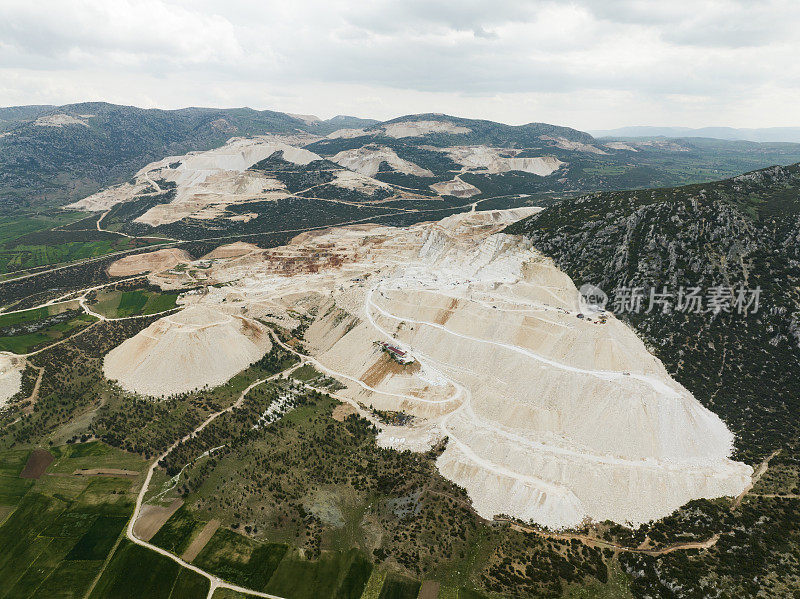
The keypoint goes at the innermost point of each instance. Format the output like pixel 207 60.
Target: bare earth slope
pixel 367 161
pixel 549 417
pixel 147 262
pixel 184 351
pixel 10 377
pixel 205 182
pixel 200 185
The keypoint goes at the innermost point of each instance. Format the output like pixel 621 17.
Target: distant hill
pixel 487 132
pixel 52 156
pixel 343 121
pixel 14 115
pixel 769 134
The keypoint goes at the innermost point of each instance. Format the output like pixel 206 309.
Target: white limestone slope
pixel 549 417
pixel 552 428
pixel 220 177
pixel 206 183
pixel 10 377
pixel 185 351
pixel 455 187
pixel 346 134
pixel 501 160
pixel 367 161
pixel 62 120
pixel 402 129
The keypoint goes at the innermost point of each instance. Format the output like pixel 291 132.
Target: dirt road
pixel 600 543
pixel 215 581
pixel 762 468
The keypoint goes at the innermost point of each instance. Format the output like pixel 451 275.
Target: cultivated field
pixel 136 302
pixel 26 331
pixel 62 534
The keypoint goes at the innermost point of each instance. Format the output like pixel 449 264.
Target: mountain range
pixel 768 134
pixel 54 155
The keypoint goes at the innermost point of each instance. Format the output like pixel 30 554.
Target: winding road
pixel 215 581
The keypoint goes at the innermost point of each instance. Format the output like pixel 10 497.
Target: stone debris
pixel 197 347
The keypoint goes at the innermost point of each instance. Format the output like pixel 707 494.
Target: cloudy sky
pixel 588 63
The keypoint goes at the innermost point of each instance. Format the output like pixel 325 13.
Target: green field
pixel 228 594
pixel 26 316
pixel 30 256
pixel 99 539
pixel 119 304
pixel 372 590
pixel 22 332
pixel 25 256
pixel 355 580
pixel 57 532
pixel 30 241
pixel 400 587
pixel 34 314
pixel 177 533
pixel 305 373
pixel 12 487
pixel 59 529
pixel 239 559
pixel 334 574
pixel 136 572
pixel 14 227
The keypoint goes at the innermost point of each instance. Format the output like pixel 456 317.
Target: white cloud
pixel 588 63
pixel 124 33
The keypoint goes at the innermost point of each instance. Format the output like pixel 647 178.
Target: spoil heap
pixel 10 377
pixel 197 347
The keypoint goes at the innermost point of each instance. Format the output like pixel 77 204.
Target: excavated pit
pixel 549 417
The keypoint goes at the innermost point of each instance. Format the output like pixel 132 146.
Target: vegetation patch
pixel 308 374
pixel 339 575
pixel 239 559
pixel 136 572
pixel 136 302
pixel 99 539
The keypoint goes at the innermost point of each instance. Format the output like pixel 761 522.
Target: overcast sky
pixel 588 64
